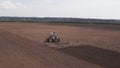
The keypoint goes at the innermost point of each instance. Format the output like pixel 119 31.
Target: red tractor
pixel 52 39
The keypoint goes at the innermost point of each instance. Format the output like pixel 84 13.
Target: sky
pixel 103 9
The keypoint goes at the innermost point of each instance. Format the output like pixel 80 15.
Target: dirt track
pixel 17 48
pixel 19 52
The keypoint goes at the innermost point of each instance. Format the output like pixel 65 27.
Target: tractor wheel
pixel 57 40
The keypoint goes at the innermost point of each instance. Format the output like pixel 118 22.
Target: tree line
pixel 59 20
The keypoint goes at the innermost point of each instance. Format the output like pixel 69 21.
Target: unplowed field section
pixel 19 52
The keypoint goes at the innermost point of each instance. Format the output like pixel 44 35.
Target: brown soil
pixel 100 38
pixel 19 52
pixel 103 57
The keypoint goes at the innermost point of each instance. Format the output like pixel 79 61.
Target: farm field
pixel 102 36
pixel 26 40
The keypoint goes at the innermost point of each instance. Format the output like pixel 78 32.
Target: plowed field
pixel 21 46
